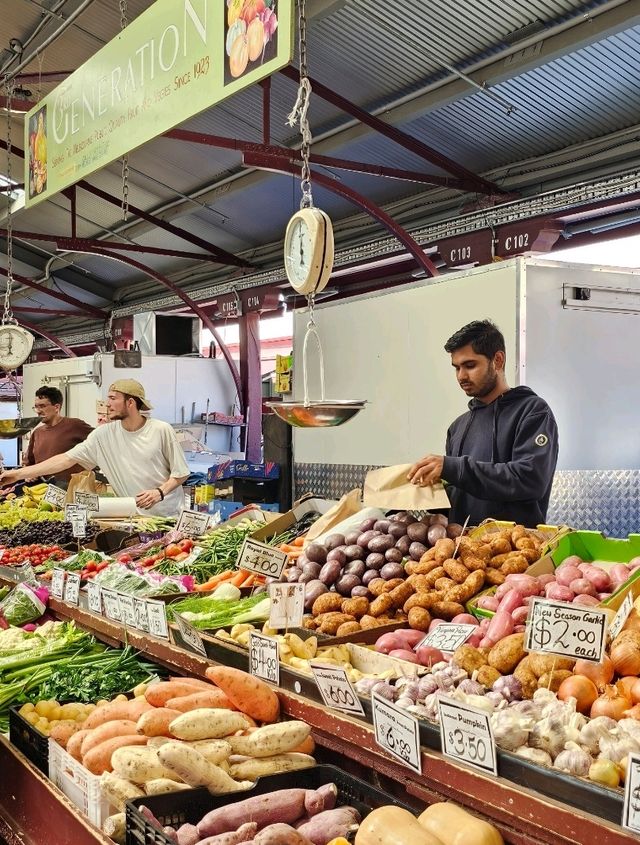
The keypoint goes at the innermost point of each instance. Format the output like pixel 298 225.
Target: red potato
pixel 404 654
pixel 488 603
pixel 500 626
pixel 582 587
pixel 526 585
pixel 558 593
pixel 465 619
pixel 389 642
pixel 476 638
pixel 341 821
pixel 520 614
pixel 566 574
pixel 511 601
pixel 428 655
pixel 519 629
pixel 546 578
pixel 586 601
pixel 435 622
pixel 409 637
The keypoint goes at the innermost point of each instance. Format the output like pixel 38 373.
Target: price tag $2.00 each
pixel 566 629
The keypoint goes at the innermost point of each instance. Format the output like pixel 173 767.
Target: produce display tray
pixel 33 744
pixel 176 808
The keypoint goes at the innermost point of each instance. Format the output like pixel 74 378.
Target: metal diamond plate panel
pixel 607 501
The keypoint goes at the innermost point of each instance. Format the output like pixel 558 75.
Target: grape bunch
pixel 45 533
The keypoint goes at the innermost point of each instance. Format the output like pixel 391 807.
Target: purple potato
pixel 400 517
pixel 454 530
pixel 355 567
pixel 352 537
pixel 403 545
pixel 382 525
pixel 316 553
pixel 417 532
pixel 375 560
pixel 333 541
pixel 397 530
pixel 426 519
pixel 439 519
pixel 393 556
pixel 436 532
pixel 337 554
pixel 416 550
pixel 365 538
pixel 307 576
pixel 330 572
pixel 369 575
pixel 381 544
pixel 392 570
pixel 367 524
pixel 312 568
pixel 354 552
pixel 293 574
pixel 346 583
pixel 312 590
pixel 361 590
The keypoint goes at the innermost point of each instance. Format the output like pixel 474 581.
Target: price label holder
pixel 631 806
pixel 566 629
pixel 262 559
pixel 72 588
pixel 127 610
pixel 448 636
pixel 55 496
pixel 157 618
pixel 94 593
pixel 57 583
pixel 190 636
pixel 397 732
pixel 193 523
pixel 77 516
pixel 466 735
pixel 287 605
pixel 89 500
pixel 264 658
pixel 111 605
pixel 621 616
pixel 336 689
pixel 140 609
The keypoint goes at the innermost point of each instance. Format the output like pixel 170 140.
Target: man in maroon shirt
pixel 57 434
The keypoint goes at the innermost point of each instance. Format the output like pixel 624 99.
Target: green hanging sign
pixel 173 61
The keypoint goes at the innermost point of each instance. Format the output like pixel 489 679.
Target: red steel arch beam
pixel 187 301
pixel 63 297
pixel 51 337
pixel 280 164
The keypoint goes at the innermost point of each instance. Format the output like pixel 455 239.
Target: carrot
pixel 118 727
pixel 159 694
pixel 299 542
pixel 295 555
pixel 198 683
pixel 75 743
pixel 249 694
pixel 98 760
pixel 213 698
pixel 285 547
pixel 156 722
pixel 239 578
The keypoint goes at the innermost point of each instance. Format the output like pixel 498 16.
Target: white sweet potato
pixel 138 765
pixel 270 739
pixel 193 768
pixel 207 723
pixel 252 768
pixel 118 790
pixel 160 786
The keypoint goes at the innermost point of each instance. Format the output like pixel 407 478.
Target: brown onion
pixel 582 689
pixel 600 673
pixel 625 685
pixel 611 703
pixel 625 655
pixel 635 691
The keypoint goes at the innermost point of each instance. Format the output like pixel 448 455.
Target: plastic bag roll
pixel 113 507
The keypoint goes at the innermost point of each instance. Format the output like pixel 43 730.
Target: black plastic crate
pixel 28 740
pixel 176 808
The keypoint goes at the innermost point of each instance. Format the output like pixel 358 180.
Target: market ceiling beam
pixel 280 164
pixel 197 309
pixel 415 146
pixel 56 294
pixel 55 312
pixel 48 336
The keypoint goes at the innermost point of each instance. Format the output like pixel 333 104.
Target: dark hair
pixel 136 399
pixel 51 393
pixel 484 337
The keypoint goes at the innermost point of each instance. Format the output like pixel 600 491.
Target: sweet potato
pixel 63 731
pixel 280 834
pixel 200 683
pixel 108 730
pixel 118 790
pixel 115 828
pixel 244 833
pixel 254 768
pixel 249 694
pixel 98 760
pixel 75 744
pixel 331 824
pixel 212 697
pixel 271 739
pixel 189 765
pixel 284 806
pixel 187 834
pixel 107 713
pixel 156 722
pixel 206 723
pixel 158 694
pixel 160 786
pixel 138 765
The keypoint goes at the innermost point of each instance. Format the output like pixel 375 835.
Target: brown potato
pixel 348 628
pixel 433 576
pixel 469 658
pixel 419 583
pixel 400 616
pixel 357 606
pixel 514 565
pixel 527 678
pixel 377 586
pixel 517 534
pixel 327 603
pixel 383 604
pixel 309 623
pixel 483 551
pixel 505 655
pixel 444 583
pixel 487 676
pixel 368 621
pixel 500 546
pixel 552 680
pixel 401 593
pixel 391 584
pixel 531 555
pixel 444 549
pixel 498 560
pixel 429 555
pixel 541 663
pixel 332 621
pixel 454 569
pixel 419 619
pixel 424 567
pixel 527 543
pixel 471 562
pixel 446 609
pixel 494 577
pixel 425 600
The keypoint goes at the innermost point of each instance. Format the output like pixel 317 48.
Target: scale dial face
pixel 15 346
pixel 308 250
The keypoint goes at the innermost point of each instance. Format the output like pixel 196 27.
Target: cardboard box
pixel 242 469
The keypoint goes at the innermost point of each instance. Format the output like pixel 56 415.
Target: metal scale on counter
pixel 308 262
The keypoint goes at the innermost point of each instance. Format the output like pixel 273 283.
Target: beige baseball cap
pixel 132 388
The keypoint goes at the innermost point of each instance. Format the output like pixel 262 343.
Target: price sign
pixel 72 588
pixel 265 560
pixel 631 806
pixel 190 635
pixel 127 610
pixel 466 735
pixel 57 583
pixel 336 689
pixel 89 500
pixel 77 516
pixel 94 592
pixel 287 605
pixel 111 605
pixel 397 732
pixel 193 523
pixel 157 617
pixel 566 629
pixel 448 636
pixel 55 496
pixel 140 608
pixel 621 616
pixel 264 658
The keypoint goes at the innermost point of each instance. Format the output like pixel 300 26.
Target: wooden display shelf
pixel 524 817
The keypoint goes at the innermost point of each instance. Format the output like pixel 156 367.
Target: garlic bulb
pixel 631 727
pixel 616 748
pixel 594 729
pixel 573 760
pixel 536 755
pixel 549 735
pixel 510 730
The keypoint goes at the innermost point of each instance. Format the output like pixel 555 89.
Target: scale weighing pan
pixel 9 429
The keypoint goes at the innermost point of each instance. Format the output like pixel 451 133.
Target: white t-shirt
pixel 134 461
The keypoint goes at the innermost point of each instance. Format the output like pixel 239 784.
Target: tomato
pixel 147 561
pixel 186 545
pixel 125 558
pixel 91 566
pixel 173 550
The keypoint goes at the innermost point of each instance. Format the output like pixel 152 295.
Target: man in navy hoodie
pixel 501 455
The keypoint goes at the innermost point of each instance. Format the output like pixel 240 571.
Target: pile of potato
pixel 51 718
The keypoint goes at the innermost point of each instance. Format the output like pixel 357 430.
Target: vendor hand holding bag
pixel 388 488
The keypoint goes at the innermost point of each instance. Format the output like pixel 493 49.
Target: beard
pixel 488 384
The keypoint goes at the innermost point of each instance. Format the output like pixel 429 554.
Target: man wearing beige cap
pixel 140 457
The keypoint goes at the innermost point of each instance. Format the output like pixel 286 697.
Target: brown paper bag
pixel 348 505
pixel 388 488
pixel 84 482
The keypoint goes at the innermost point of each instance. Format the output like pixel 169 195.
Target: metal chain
pixel 7 315
pixel 301 108
pixel 125 158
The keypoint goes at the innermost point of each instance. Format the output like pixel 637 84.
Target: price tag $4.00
pixel 264 658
